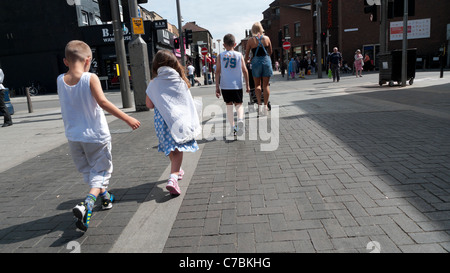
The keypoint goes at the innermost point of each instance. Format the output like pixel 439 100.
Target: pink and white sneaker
pixel 172 186
pixel 180 174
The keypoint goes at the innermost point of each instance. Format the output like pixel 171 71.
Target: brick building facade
pixel 293 19
pixel 349 28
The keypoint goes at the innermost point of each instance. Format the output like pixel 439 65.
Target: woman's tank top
pixel 260 52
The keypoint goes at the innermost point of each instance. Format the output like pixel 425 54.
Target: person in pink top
pixel 359 63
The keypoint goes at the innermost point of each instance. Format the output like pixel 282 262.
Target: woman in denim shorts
pixel 261 48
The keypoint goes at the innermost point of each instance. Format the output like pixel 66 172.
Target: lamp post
pixel 140 68
pixel 121 55
pixel 319 38
pixel 180 30
pixel 405 43
pixel 218 44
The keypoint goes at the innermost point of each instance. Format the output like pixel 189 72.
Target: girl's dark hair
pixel 167 58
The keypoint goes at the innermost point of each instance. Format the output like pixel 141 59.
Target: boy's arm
pixel 105 104
pixel 245 72
pixel 218 71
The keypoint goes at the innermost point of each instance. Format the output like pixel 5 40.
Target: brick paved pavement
pixel 349 170
pixel 354 164
pixel 37 196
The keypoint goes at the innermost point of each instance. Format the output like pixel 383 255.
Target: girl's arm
pixel 149 102
pixel 105 104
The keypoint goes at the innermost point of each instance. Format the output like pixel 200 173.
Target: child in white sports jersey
pixel 230 72
pixel 82 104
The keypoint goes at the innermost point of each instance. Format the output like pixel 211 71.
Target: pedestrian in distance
pixel 82 103
pixel 335 63
pixel 175 116
pixel 205 73
pixel 303 67
pixel 359 63
pixel 261 47
pixel 7 120
pixel 230 73
pixel 292 67
pixel 191 70
pixel 283 68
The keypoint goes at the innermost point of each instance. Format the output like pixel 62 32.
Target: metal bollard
pixel 30 105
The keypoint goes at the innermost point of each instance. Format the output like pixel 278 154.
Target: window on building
pixel 297 29
pixel 84 18
pixel 286 31
pixel 98 20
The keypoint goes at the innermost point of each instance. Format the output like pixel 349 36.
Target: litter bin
pixel 391 67
pixel 8 102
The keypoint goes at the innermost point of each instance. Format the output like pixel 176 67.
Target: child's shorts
pixel 94 161
pixel 234 96
pixel 262 67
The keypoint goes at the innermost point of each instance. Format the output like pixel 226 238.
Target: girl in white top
pixel 82 104
pixel 175 116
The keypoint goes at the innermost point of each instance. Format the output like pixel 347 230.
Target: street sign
pixel 286 45
pixel 204 51
pixel 138 26
pixel 160 24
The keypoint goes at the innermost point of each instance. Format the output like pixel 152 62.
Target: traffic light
pixel 188 36
pixel 176 43
pixel 323 37
pixel 372 9
pixel 105 10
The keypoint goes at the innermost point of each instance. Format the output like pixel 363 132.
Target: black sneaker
pixel 107 203
pixel 83 215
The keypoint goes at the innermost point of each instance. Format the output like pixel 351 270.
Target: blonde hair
pixel 257 28
pixel 77 51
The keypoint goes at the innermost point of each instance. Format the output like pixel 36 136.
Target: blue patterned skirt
pixel 166 142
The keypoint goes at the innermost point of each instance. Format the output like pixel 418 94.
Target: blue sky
pixel 218 16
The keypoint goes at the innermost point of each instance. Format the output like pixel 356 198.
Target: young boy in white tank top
pixel 230 72
pixel 82 104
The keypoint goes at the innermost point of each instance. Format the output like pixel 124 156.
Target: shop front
pixel 102 41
